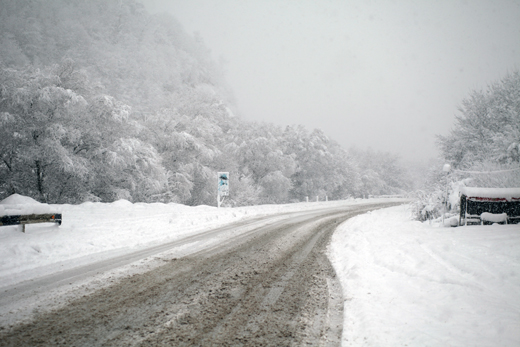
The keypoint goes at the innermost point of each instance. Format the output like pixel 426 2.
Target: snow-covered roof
pixel 493 193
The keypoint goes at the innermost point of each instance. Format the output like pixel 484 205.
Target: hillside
pixel 102 101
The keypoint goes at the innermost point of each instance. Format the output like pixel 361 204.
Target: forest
pixel 483 148
pixel 100 101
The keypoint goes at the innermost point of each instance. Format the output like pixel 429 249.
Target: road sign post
pixel 222 187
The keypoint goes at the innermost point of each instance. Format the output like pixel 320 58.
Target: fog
pixel 389 75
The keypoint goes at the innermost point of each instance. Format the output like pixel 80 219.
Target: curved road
pixel 272 285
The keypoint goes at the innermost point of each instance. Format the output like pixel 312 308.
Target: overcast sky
pixel 384 74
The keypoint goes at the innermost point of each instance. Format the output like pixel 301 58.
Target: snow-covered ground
pixel 407 283
pixel 404 282
pixel 92 232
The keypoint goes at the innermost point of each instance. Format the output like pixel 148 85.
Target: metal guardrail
pixel 30 219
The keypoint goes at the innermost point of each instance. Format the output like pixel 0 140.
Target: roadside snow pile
pixel 96 231
pixel 406 283
pixel 19 205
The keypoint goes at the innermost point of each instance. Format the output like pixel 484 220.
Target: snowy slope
pixel 407 283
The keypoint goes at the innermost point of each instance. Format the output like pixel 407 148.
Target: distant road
pixel 271 285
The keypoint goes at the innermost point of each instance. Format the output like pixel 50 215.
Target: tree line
pixel 101 101
pixel 483 148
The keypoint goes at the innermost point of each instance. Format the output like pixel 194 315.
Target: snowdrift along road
pixel 270 284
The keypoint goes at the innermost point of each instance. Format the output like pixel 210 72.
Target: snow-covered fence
pixel 30 219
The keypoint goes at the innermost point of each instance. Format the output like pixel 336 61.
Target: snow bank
pixel 96 231
pixel 18 205
pixel 407 283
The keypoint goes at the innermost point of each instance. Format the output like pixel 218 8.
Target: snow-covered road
pixel 270 282
pixel 96 231
pixel 404 282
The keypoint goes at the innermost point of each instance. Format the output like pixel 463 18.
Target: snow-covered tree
pixel 100 100
pixel 323 168
pixel 488 126
pixel 38 134
pixel 382 173
pixel 482 147
pixel 59 146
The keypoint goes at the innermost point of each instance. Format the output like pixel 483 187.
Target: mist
pixel 389 75
pixel 107 100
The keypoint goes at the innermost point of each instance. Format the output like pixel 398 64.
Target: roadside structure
pixel 489 205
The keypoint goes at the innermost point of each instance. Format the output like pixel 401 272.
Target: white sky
pixel 383 74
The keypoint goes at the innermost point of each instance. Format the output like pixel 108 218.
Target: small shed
pixel 488 205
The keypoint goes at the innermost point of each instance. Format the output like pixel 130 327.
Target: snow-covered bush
pixel 427 205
